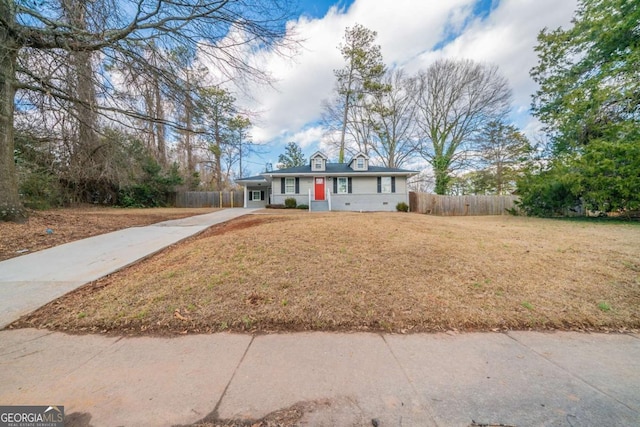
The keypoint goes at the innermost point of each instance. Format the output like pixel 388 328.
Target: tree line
pixel 91 91
pixel 452 115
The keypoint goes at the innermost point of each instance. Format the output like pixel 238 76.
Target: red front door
pixel 319 188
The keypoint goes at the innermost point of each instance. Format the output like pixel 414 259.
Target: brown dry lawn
pixel 370 271
pixel 71 224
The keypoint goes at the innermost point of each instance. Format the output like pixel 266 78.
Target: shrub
pixel 275 206
pixel 303 206
pixel 40 190
pixel 402 207
pixel 152 189
pixel 549 193
pixel 290 203
pixel 12 213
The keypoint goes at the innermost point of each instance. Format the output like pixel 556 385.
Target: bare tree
pixel 358 131
pixel 156 93
pixel 217 109
pixel 391 116
pixel 223 31
pixel 457 99
pixel 240 142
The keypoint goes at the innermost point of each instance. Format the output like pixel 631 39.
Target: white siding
pixel 364 196
pixel 302 198
pixel 257 203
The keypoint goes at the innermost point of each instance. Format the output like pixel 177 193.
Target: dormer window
pixel 318 162
pixel 359 162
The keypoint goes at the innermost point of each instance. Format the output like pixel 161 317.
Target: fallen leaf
pixel 177 315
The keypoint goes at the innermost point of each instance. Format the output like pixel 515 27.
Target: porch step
pixel 319 206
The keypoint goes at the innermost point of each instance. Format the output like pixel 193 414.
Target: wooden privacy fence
pixel 434 204
pixel 209 199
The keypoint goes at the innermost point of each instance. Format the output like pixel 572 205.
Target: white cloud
pixel 407 32
pixel 305 138
pixel 407 28
pixel 508 37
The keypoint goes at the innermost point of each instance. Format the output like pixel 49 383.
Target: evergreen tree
pixel 292 156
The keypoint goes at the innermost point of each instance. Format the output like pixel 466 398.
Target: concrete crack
pixel 573 375
pixel 224 392
pixel 406 376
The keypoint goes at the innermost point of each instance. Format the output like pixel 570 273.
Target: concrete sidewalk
pixel 30 281
pixel 515 378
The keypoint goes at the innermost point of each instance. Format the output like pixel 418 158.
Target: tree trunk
pixel 443 179
pixel 240 153
pixel 86 165
pixel 217 154
pixel 499 174
pixel 160 136
pixel 188 113
pixel 10 206
pixel 344 126
pixel 86 106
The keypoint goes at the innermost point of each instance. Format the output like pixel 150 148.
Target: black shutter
pixel 379 184
pixel 393 184
pixel 281 185
pixel 250 195
pixel 349 184
pixel 262 195
pixel 335 185
pixel 297 185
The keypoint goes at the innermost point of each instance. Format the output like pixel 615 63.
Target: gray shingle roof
pixel 252 178
pixel 340 168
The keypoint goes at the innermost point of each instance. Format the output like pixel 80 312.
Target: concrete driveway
pixel 30 281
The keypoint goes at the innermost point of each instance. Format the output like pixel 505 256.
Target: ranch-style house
pixel 323 186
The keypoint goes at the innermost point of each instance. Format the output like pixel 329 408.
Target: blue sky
pixel 412 34
pixel 318 9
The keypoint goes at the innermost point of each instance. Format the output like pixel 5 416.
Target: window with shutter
pixel 343 187
pixel 290 185
pixel 385 184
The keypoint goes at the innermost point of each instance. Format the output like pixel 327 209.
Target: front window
pixel 256 195
pixel 318 164
pixel 343 186
pixel 359 163
pixel 386 184
pixel 290 186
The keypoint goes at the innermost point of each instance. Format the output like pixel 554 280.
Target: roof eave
pixel 359 173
